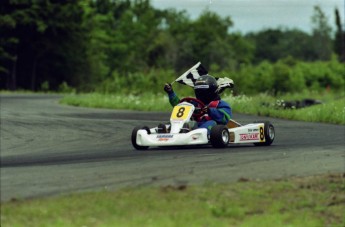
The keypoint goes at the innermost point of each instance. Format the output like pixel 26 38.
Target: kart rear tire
pixel 134 137
pixel 269 134
pixel 219 136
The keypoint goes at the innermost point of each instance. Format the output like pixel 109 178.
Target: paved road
pixel 49 149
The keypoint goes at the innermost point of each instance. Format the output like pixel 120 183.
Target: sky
pixel 256 15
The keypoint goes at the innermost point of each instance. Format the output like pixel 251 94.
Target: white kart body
pixel 182 113
pixel 195 137
pixel 250 133
pixel 174 138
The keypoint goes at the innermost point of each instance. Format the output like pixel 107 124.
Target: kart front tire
pixel 269 134
pixel 134 137
pixel 219 136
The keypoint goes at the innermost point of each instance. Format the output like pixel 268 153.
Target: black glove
pixel 168 88
pixel 205 109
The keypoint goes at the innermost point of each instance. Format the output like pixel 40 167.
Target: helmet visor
pixel 203 95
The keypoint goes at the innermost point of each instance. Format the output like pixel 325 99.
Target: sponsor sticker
pixel 164 137
pixel 201 86
pixel 249 136
pixel 167 136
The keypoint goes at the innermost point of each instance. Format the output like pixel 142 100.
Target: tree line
pixel 84 43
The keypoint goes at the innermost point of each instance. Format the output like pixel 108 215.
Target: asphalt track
pixel 49 149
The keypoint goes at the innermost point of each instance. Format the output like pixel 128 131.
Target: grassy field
pixel 332 109
pixel 309 201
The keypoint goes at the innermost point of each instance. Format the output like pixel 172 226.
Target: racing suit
pixel 218 112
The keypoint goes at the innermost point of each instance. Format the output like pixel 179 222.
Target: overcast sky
pixel 254 15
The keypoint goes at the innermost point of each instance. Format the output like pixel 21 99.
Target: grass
pixel 309 201
pixel 331 111
pixel 145 102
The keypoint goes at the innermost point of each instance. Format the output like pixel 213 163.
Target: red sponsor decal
pixel 195 137
pixel 249 136
pixel 163 139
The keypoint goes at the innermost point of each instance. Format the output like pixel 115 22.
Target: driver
pixel 216 111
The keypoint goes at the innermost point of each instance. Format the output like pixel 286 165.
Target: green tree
pixel 178 27
pixel 322 41
pixel 276 44
pixel 210 44
pixel 43 41
pixel 339 41
pixel 207 39
pixel 8 47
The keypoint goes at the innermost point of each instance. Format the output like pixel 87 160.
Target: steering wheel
pixel 200 105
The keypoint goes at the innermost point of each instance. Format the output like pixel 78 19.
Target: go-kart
pixel 259 134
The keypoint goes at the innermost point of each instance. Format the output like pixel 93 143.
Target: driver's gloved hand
pixel 168 88
pixel 205 109
pixel 197 110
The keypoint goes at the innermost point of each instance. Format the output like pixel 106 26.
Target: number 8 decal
pixel 262 134
pixel 180 112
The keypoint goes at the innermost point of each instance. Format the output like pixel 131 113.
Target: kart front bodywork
pixel 194 137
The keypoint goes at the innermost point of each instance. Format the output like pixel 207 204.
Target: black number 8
pixel 180 112
pixel 262 135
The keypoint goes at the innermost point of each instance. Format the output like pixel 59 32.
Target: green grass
pixel 310 201
pixel 145 102
pixel 331 111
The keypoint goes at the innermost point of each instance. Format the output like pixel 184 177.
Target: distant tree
pixel 210 33
pixel 207 39
pixel 267 44
pixel 178 27
pixel 41 41
pixel 8 47
pixel 275 44
pixel 322 41
pixel 339 41
pixel 82 43
pixel 108 47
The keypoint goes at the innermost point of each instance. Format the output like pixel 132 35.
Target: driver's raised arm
pixel 173 99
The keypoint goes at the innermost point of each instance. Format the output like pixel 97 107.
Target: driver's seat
pixel 233 124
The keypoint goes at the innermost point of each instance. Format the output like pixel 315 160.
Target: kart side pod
pixel 260 134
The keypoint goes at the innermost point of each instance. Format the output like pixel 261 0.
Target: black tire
pixel 134 137
pixel 269 134
pixel 219 136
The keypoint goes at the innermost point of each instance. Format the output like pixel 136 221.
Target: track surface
pixel 49 149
